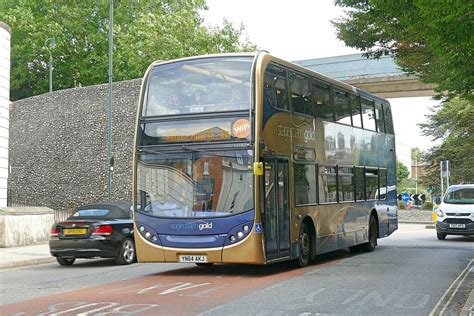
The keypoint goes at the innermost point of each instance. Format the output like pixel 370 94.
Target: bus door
pixel 276 219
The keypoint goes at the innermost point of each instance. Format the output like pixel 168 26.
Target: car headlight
pixel 440 213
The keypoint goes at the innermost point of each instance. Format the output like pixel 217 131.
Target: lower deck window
pixel 305 184
pixel 327 184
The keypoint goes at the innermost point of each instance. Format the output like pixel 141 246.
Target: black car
pixel 102 230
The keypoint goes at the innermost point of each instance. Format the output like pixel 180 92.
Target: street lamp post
pixel 52 44
pixel 110 157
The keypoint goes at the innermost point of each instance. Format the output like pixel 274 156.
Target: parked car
pixel 102 230
pixel 455 214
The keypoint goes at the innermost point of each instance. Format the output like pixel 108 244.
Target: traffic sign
pixel 405 197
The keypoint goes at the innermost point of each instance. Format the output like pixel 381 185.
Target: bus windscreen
pixel 195 184
pixel 216 84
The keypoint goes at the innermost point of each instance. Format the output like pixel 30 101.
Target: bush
pixel 401 205
pixel 428 205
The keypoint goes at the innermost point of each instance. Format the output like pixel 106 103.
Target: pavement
pixel 24 256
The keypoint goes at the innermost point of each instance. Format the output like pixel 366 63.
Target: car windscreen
pixel 102 212
pixel 91 213
pixel 460 195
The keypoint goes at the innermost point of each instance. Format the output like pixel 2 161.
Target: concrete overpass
pixel 381 77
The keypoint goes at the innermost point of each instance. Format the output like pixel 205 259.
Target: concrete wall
pixel 5 36
pixel 23 226
pixel 58 146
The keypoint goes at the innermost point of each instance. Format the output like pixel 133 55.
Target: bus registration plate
pixel 457 225
pixel 192 258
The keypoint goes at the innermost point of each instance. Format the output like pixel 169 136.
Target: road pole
pixel 416 175
pixel 447 174
pixel 109 115
pixel 50 72
pixel 442 180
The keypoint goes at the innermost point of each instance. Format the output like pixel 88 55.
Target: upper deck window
pixel 214 84
pixel 276 87
pixel 368 114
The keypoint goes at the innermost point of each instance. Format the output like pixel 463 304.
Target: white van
pixel 455 215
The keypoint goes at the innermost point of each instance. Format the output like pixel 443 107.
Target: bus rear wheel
pixel 304 246
pixel 373 234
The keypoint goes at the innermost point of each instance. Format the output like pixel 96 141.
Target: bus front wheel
pixel 304 246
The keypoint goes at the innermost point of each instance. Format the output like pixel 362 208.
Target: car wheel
pixel 372 243
pixel 441 236
pixel 126 254
pixel 65 261
pixel 304 246
pixel 204 264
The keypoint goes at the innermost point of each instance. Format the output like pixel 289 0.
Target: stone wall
pixel 58 146
pixel 24 226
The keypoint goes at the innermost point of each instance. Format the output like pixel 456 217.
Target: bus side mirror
pixel 258 168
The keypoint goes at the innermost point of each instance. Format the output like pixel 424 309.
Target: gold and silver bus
pixel 247 158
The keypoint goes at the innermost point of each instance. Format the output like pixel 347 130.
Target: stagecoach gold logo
pixel 287 131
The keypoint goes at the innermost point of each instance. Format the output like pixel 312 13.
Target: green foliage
pixel 428 205
pixel 144 31
pixel 402 172
pixel 401 205
pixel 431 39
pixel 453 126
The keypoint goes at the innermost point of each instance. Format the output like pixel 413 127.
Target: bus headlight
pixel 238 233
pixel 148 233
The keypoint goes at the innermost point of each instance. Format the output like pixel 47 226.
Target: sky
pixel 301 29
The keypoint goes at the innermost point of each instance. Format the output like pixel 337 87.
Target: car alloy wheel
pixel 127 252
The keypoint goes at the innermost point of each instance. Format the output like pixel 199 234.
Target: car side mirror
pixel 438 200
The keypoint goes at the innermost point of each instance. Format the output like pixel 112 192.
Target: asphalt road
pixel 409 274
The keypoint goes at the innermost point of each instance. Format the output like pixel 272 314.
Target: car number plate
pixel 75 231
pixel 192 258
pixel 457 225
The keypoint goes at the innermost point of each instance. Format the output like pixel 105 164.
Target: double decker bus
pixel 247 158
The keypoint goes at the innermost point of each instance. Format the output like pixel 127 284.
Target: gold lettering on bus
pixel 287 131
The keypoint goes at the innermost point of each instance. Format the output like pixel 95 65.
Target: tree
pixel 431 39
pixel 402 172
pixel 452 126
pixel 144 31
